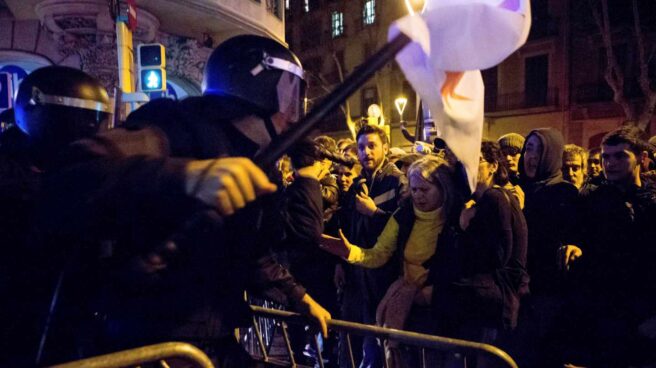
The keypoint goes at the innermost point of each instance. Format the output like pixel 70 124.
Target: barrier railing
pixel 422 341
pixel 160 353
pixel 178 352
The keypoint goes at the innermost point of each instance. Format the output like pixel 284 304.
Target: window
pixel 306 6
pixel 273 6
pixel 491 82
pixel 337 24
pixel 286 4
pixel 369 12
pixel 536 80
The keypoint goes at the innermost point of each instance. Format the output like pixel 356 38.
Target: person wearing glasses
pixel 595 170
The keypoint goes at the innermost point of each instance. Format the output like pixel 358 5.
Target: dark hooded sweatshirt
pixel 549 211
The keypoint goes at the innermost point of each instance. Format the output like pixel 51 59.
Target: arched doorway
pixel 18 64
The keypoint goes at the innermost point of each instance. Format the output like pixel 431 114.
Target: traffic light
pixel 152 63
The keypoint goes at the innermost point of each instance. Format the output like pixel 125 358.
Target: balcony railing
pixel 601 92
pixel 521 100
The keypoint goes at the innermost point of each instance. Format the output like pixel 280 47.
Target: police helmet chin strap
pixel 40 98
pixel 270 127
pixel 270 62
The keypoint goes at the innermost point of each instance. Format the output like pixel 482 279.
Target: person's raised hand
pixel 365 204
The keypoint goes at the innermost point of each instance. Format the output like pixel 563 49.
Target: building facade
pixel 81 34
pixel 332 38
pixel 555 80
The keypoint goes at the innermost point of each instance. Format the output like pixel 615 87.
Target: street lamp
pixel 375 114
pixel 400 104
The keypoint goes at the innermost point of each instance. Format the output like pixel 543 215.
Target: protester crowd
pixel 152 231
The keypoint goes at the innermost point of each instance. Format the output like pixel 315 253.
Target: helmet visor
pixel 291 96
pixel 40 98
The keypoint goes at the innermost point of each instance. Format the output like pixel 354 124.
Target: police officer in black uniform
pixel 137 218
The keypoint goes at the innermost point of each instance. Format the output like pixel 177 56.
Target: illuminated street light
pixel 375 116
pixel 374 111
pixel 400 104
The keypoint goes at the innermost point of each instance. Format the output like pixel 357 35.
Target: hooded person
pixel 550 212
pixel 549 207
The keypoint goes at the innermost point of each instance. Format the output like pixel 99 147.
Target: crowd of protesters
pixel 152 231
pixel 549 258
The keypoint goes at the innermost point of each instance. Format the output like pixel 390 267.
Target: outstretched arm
pixel 371 258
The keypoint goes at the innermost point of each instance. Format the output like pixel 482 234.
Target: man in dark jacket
pixel 376 195
pixel 613 305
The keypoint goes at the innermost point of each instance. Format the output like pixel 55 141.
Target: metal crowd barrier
pixel 168 354
pixel 422 341
pixel 172 354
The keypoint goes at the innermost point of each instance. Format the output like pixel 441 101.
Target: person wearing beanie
pixel 511 147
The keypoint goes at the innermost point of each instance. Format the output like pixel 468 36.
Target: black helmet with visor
pixel 260 72
pixel 56 105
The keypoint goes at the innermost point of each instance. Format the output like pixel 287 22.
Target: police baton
pixel 266 158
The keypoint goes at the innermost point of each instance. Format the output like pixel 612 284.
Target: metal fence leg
pixel 385 364
pixel 272 333
pixel 288 344
pixel 260 343
pixel 350 350
pixel 316 346
pixel 423 358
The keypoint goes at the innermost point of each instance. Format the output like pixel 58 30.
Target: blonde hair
pixel 439 171
pixel 570 151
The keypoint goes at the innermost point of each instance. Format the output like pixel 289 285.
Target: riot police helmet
pixel 258 71
pixel 56 105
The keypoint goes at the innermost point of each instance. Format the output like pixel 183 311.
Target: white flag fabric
pixel 452 40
